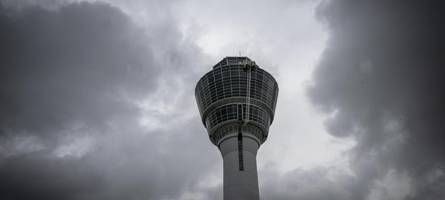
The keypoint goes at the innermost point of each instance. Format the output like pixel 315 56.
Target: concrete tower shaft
pixel 237 102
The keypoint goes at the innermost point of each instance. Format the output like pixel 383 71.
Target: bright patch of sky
pixel 283 38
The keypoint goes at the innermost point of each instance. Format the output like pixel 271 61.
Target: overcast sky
pixel 97 97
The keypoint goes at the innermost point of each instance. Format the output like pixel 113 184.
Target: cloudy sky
pixel 97 97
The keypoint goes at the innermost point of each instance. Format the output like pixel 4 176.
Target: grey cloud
pixel 77 64
pixel 39 176
pixel 381 79
pixel 74 72
pixel 135 166
pixel 70 81
pixel 312 184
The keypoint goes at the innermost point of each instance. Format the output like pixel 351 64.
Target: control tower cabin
pixel 237 100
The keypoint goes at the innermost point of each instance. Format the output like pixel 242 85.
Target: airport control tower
pixel 237 102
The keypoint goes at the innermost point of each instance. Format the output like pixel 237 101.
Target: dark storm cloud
pixel 77 64
pixel 136 166
pixel 381 77
pixel 38 176
pixel 71 78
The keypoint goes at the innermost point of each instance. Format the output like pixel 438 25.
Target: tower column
pixel 240 170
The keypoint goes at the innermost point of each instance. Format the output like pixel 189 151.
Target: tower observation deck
pixel 237 100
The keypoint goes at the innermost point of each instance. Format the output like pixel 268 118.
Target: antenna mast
pixel 249 66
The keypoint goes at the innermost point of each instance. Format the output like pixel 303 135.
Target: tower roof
pixel 231 61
